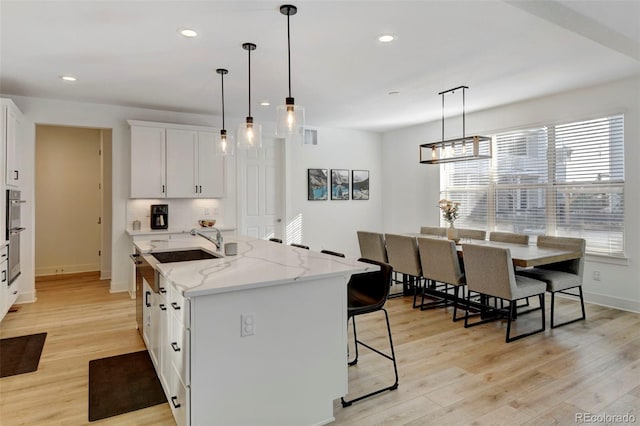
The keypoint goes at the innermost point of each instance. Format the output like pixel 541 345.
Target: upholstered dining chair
pixel 372 246
pixel 440 264
pixel 403 255
pixel 367 293
pixel 471 234
pixel 433 230
pixel 513 238
pixel 489 271
pixel 509 237
pixel 561 276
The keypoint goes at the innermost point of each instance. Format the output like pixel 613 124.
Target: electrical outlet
pixel 596 275
pixel 247 325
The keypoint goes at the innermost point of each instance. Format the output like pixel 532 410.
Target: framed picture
pixel 317 188
pixel 339 184
pixel 360 184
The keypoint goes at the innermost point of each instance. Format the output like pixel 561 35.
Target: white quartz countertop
pixel 259 263
pixel 174 230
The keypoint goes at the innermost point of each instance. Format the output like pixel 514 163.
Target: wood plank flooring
pixel 448 374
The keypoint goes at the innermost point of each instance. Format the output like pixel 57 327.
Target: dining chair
pixel 403 255
pixel 513 238
pixel 332 253
pixel 276 240
pixel 561 276
pixel 509 237
pixel 302 246
pixel 440 264
pixel 372 246
pixel 471 234
pixel 489 271
pixel 367 293
pixel 433 230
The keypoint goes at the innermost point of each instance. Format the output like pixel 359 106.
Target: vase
pixel 452 233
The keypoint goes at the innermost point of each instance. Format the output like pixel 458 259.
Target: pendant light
pixel 290 117
pixel 249 133
pixel 225 143
pixel 460 149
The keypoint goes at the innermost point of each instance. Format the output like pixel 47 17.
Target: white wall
pixel 406 211
pixel 332 224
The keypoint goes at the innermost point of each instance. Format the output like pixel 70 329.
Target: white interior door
pixel 261 190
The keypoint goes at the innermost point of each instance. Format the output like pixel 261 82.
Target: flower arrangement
pixel 449 210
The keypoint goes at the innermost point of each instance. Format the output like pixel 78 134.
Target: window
pixel 565 179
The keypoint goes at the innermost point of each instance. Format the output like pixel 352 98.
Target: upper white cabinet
pixel 11 118
pixel 148 160
pixel 175 161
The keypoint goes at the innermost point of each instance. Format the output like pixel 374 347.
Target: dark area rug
pixel 20 355
pixel 122 383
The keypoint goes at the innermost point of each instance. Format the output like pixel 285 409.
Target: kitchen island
pixel 259 338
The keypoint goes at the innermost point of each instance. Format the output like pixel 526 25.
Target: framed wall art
pixel 360 184
pixel 317 184
pixel 339 184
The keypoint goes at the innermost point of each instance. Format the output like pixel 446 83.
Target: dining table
pixel 521 255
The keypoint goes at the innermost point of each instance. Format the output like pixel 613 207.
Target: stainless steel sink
pixel 183 255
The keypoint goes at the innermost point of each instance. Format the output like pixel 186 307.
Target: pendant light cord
pixel 222 77
pixel 249 50
pixel 289 52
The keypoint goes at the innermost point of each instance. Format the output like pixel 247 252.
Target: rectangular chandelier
pixel 460 149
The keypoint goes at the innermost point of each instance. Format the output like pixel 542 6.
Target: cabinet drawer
pixel 179 341
pixel 178 305
pixel 179 400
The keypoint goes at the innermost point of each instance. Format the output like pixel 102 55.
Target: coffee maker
pixel 159 216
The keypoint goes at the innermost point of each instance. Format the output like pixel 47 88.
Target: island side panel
pixel 288 372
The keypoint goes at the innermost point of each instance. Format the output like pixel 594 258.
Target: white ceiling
pixel 129 53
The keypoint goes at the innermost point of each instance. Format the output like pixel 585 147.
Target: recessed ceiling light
pixel 68 78
pixel 265 103
pixel 386 38
pixel 187 32
pixel 394 92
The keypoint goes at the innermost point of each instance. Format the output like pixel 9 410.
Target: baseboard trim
pixel 612 302
pixel 28 297
pixel 117 287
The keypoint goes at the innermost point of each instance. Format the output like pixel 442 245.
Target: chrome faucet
pixel 217 241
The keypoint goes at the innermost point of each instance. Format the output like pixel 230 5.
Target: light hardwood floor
pixel 448 374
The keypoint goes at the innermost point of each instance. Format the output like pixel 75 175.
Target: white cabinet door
pixel 4 290
pixel 181 170
pixel 10 126
pixel 148 162
pixel 211 167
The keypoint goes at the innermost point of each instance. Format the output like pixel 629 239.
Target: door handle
pixel 175 347
pixel 135 259
pixel 146 298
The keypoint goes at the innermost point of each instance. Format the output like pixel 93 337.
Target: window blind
pixel 565 179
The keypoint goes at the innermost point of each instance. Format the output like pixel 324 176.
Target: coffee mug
pixel 231 249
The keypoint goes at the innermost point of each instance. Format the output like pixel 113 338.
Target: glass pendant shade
pixel 290 120
pixel 249 135
pixel 225 144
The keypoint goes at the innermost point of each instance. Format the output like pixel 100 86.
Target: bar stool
pixel 367 293
pixel 332 253
pixel 276 240
pixel 302 246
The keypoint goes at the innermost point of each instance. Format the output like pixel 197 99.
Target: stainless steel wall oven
pixel 13 232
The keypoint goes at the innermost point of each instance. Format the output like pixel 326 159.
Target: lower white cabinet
pixel 5 296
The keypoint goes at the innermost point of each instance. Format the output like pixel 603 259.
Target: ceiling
pixel 130 53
